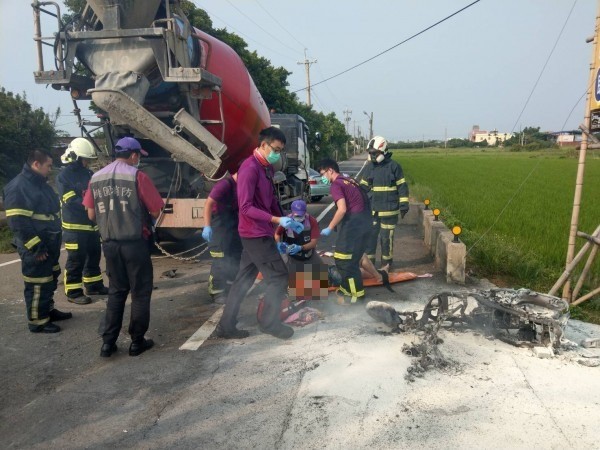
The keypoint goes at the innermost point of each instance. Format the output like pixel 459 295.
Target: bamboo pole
pixel 581 165
pixel 565 275
pixel 586 297
pixel 586 270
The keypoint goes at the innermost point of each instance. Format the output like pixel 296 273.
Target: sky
pixel 477 68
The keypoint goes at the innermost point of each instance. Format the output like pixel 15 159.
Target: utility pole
pixel 307 63
pixel 370 116
pixel 445 137
pixel 347 119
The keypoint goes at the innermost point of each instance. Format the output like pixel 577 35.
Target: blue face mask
pixel 273 157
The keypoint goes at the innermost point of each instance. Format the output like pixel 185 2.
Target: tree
pixel 22 129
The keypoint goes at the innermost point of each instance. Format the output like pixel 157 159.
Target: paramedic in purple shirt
pixel 259 214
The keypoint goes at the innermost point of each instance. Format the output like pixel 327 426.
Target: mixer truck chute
pixel 184 94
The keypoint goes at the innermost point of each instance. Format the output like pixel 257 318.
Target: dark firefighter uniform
pixel 33 213
pixel 225 245
pixel 388 193
pixel 80 234
pixel 352 236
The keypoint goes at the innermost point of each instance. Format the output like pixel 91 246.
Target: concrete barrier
pixel 448 255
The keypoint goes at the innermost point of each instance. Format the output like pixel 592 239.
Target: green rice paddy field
pixel 524 200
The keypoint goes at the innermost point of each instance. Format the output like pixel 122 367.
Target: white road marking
pixel 8 263
pixel 325 211
pixel 203 333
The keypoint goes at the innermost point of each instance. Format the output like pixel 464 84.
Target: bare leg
pixel 368 269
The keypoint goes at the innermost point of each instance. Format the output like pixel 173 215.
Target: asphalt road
pixel 338 383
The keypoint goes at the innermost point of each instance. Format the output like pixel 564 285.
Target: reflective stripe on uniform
pixel 363 182
pixel 386 226
pixel 18 212
pixel 38 280
pixel 72 246
pixel 68 195
pixel 32 242
pixel 35 302
pixel 371 256
pixel 403 200
pixel 338 255
pixel 56 268
pixel 353 294
pixel 217 254
pixel 78 227
pixel 211 287
pixel 400 181
pixel 388 213
pixel 92 279
pixel 72 286
pixel 45 217
pixel 384 188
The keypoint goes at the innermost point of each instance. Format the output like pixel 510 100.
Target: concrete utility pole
pixel 347 119
pixel 370 116
pixel 307 63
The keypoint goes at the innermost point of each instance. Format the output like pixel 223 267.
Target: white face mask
pixel 299 218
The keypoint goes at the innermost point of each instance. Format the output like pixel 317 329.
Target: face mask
pixel 299 218
pixel 273 157
pixel 325 180
pixel 377 157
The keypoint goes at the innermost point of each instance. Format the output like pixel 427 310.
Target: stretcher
pixel 395 277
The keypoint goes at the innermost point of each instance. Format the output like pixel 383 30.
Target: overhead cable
pixel 544 67
pixel 391 48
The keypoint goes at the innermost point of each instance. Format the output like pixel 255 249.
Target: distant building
pixel 567 138
pixel 491 137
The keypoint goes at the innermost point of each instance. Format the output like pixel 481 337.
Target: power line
pixel 574 106
pixel 393 47
pixel 280 26
pixel 246 36
pixel 258 25
pixel 544 68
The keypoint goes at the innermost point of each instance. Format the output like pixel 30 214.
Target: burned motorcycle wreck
pixel 520 317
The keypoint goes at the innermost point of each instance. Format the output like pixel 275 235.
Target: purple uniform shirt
pixel 256 200
pixel 342 188
pixel 224 193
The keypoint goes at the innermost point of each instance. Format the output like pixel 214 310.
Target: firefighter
pixel 122 200
pixel 33 213
pixel 80 234
pixel 352 217
pixel 221 232
pixel 299 246
pixel 388 192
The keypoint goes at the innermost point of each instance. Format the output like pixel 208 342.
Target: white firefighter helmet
pixel 78 148
pixel 378 143
pixel 377 149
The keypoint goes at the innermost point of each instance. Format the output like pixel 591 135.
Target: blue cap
pixel 299 207
pixel 127 144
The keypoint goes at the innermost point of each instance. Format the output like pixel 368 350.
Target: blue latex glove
pixel 286 222
pixel 282 247
pixel 207 233
pixel 297 227
pixel 294 248
pixel 325 231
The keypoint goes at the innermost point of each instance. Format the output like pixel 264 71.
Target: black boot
pixel 56 315
pixel 385 278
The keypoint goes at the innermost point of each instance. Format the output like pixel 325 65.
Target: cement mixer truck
pixel 185 95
